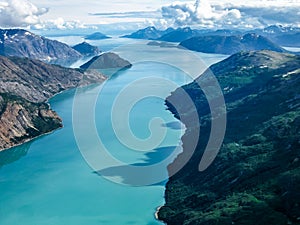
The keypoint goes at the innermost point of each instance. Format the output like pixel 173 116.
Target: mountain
pixel 255 178
pixel 230 44
pixel 21 120
pixel 22 43
pixel 107 61
pixel 222 32
pixel 25 86
pixel 288 40
pixel 96 36
pixel 284 36
pixel 148 33
pixel 278 30
pixel 86 49
pixel 179 35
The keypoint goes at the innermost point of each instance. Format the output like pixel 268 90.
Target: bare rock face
pixel 37 81
pixel 25 86
pixel 21 120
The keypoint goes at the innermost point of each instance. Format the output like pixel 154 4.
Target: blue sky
pixel 72 14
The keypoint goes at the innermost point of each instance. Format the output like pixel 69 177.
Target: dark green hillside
pixel 255 178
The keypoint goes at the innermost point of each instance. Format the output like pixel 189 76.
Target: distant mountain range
pixel 22 43
pixel 284 36
pixel 255 178
pixel 179 35
pixel 230 44
pixel 148 33
pixel 96 36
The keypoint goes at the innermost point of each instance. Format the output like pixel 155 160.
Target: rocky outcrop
pixel 21 120
pixel 255 178
pixel 22 43
pixel 25 86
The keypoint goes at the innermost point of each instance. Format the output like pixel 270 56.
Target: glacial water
pixel 48 182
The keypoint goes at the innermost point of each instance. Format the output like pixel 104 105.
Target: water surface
pixel 48 182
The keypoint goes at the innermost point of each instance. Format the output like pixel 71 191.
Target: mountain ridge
pixel 230 44
pixel 25 87
pixel 22 43
pixel 255 177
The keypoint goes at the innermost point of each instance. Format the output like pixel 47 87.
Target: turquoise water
pixel 48 181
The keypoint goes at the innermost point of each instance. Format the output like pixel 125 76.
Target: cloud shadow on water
pixel 131 175
pixel 176 125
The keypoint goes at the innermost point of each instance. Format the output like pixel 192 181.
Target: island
pixel 96 36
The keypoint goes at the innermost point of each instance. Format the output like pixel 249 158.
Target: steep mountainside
pixel 255 178
pixel 25 85
pixel 22 43
pixel 21 120
pixel 37 81
pixel 230 44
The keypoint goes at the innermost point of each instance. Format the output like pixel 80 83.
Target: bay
pixel 48 181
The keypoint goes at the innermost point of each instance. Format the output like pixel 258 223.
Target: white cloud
pixel 22 13
pixel 233 14
pixel 19 13
pixel 200 13
pixel 59 24
pixel 67 14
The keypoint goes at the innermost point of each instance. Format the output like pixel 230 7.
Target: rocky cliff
pixel 255 178
pixel 36 81
pixel 25 85
pixel 21 120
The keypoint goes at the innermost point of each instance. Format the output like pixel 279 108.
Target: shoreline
pixel 32 139
pixel 156 215
pixel 50 108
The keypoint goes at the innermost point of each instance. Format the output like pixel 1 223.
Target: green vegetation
pixel 255 178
